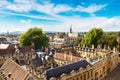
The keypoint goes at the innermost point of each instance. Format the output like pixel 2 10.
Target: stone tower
pixel 70 28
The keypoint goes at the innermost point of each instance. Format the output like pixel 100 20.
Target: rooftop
pixel 17 72
pixel 56 72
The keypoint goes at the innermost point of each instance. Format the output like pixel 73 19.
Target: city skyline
pixel 57 15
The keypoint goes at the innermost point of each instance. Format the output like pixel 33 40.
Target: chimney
pixel 71 57
pixel 65 56
pixel 104 46
pixel 92 46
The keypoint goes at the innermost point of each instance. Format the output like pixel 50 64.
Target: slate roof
pixel 2 39
pixel 41 58
pixel 56 72
pixel 17 72
pixel 37 61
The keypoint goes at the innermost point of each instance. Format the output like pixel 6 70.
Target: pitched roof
pixel 7 51
pixel 17 72
pixel 56 72
pixel 37 61
pixel 26 48
pixel 12 50
pixel 2 39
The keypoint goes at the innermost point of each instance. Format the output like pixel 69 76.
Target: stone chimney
pixel 99 46
pixel 88 59
pixel 114 49
pixel 92 46
pixel 104 46
pixel 71 57
pixel 65 56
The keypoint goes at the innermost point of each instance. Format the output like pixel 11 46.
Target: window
pixel 88 75
pixel 84 76
pixel 81 77
pixel 91 73
pixel 77 78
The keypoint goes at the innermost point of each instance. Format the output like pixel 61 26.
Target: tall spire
pixel 70 28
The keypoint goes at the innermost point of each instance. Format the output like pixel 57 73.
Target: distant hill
pixel 14 33
pixel 19 32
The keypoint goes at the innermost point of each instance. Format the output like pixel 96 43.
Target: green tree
pixel 78 41
pixel 118 34
pixel 92 37
pixel 36 36
pixel 108 40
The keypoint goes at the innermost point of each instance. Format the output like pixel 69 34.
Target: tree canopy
pixel 118 34
pixel 108 40
pixel 92 37
pixel 78 41
pixel 34 36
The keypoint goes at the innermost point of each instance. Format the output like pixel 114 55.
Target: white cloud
pixel 19 7
pixel 49 8
pixel 3 3
pixel 29 16
pixel 85 24
pixel 112 23
pixel 78 23
pixel 45 7
pixel 23 1
pixel 90 9
pixel 61 8
pixel 26 21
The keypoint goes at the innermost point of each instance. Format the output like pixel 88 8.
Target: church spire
pixel 70 28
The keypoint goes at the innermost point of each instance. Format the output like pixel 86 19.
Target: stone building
pixel 95 67
pixel 91 64
pixel 28 58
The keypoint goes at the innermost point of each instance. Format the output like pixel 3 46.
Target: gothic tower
pixel 70 28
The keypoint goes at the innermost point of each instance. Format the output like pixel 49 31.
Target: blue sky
pixel 58 15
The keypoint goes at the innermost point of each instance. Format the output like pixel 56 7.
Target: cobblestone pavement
pixel 114 75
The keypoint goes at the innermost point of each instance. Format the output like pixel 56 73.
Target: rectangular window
pixel 88 75
pixel 84 76
pixel 77 78
pixel 81 77
pixel 91 73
